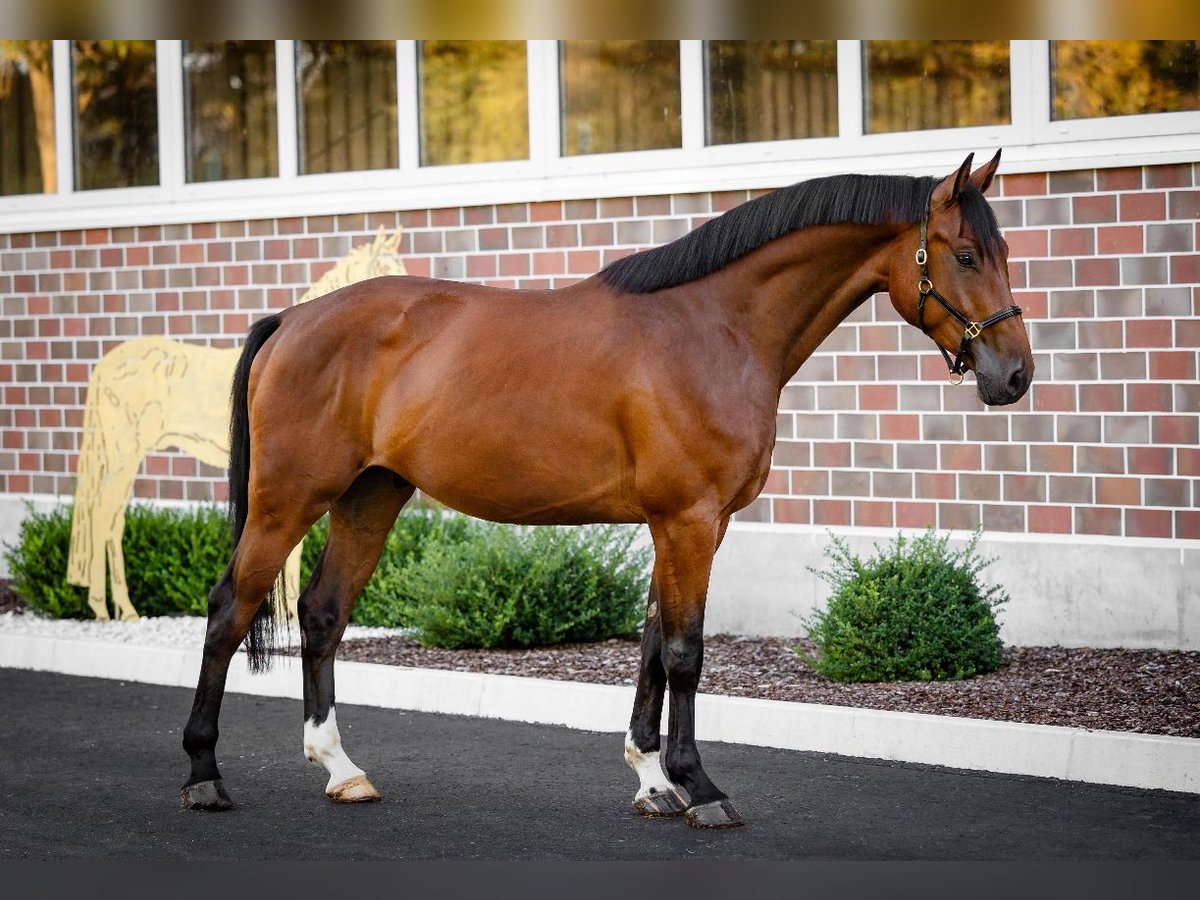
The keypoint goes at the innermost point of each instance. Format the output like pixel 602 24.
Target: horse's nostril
pixel 1017 381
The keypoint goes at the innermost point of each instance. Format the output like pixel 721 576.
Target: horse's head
pixel 950 279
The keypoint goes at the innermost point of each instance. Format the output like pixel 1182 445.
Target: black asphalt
pixel 91 768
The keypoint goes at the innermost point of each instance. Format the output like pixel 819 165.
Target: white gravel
pixel 162 631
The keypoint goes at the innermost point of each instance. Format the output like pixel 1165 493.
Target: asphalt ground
pixel 91 769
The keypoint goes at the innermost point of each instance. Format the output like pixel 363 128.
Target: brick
pixel 653 206
pixel 616 207
pixel 1173 365
pixel 1169 176
pixel 1123 366
pixel 1073 182
pixel 1034 304
pixel 829 455
pixel 1148 523
pixel 1052 335
pixel 1127 429
pixel 815 425
pixel 958 457
pixel 942 428
pixel 1148 333
pixel 1120 239
pixel 1187 524
pixel 810 483
pixel 1099 271
pixel 1076 367
pixel 596 234
pixel 1173 238
pixel 874 456
pixel 1078 429
pixel 1030 243
pixel 1101 397
pixel 1184 205
pixel 1097 520
pixel 891 484
pixel 1168 492
pixel 1187 397
pixel 959 516
pixel 791 511
pixel 916 515
pixel 1152 460
pixel 546 211
pixel 1024 488
pixel 1168 301
pixel 1143 207
pixel 1009 213
pixel 1128 178
pixel 1112 491
pixel 1000 517
pixel 831 512
pixel 1051 273
pixel 876 338
pixel 850 484
pixel 1031 428
pixel 1022 184
pixel 851 425
pixel 1100 460
pixel 1184 269
pixel 979 487
pixel 1094 209
pixel 792 453
pixel 758 511
pixel 1144 270
pixel 987 427
pixel 900 427
pixel 1050 519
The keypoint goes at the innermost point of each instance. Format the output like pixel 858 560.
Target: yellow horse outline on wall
pixel 151 394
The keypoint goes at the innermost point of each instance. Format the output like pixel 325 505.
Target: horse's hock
pixel 153 394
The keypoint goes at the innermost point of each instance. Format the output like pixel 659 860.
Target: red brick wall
pixel 1105 263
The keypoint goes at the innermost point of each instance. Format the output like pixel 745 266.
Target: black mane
pixel 839 199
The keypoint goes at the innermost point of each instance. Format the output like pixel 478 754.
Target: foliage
pixel 915 611
pixel 457 581
pixel 173 556
pixel 524 587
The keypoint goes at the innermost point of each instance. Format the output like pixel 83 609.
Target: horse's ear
pixel 982 177
pixel 947 191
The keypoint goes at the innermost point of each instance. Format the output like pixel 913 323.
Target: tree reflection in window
pixel 116 113
pixel 230 109
pixel 619 95
pixel 474 101
pixel 347 105
pixel 1122 78
pixel 27 163
pixel 770 90
pixel 918 85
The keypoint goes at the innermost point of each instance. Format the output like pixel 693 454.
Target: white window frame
pixel 1031 142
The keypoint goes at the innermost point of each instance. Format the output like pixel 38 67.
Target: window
pixel 1121 78
pixel 116 113
pixel 619 95
pixel 230 109
pixel 770 90
pixel 918 85
pixel 347 105
pixel 27 165
pixel 474 101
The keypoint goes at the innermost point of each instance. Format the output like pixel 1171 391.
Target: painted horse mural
pixel 152 393
pixel 647 393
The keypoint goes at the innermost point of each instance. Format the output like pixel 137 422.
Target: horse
pixel 152 393
pixel 646 393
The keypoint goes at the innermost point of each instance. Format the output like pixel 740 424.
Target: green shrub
pixel 173 557
pixel 38 565
pixel 525 587
pixel 914 612
pixel 418 527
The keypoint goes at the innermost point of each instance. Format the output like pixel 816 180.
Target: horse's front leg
pixel 684 548
pixel 656 795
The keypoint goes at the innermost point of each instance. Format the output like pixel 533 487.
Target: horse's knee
pixel 320 625
pixel 683 658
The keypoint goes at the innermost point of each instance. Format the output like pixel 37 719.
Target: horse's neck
pixel 792 292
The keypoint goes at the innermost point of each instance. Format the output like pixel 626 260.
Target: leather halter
pixel 925 289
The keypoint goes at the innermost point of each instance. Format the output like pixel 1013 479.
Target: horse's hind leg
pixel 359 523
pixel 232 605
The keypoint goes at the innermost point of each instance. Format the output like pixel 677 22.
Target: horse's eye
pixel 966 260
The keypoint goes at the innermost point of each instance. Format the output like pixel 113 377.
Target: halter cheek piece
pixel 971 330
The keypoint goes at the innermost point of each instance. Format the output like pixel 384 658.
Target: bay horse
pixel 647 393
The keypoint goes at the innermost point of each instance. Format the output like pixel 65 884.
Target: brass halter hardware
pixel 925 290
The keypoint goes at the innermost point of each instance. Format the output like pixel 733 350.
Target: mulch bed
pixel 1149 691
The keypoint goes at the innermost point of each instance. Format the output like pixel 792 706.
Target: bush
pixel 459 582
pixel 172 559
pixel 914 612
pixel 524 587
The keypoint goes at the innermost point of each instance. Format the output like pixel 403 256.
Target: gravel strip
pixel 1148 691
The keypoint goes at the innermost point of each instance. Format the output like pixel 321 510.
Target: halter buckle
pixel 972 331
pixel 956 378
pixel 924 286
pixel 922 256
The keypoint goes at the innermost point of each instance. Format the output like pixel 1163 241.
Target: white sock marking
pixel 649 770
pixel 323 744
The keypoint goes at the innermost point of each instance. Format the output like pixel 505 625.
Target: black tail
pixel 261 638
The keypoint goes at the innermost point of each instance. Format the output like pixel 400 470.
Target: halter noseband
pixel 925 289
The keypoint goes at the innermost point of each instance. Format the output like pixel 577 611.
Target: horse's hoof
pixel 656 803
pixel 716 814
pixel 207 795
pixel 355 790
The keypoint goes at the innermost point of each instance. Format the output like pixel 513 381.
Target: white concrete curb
pixel 1073 754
